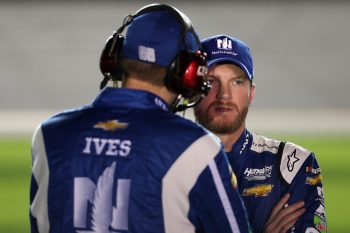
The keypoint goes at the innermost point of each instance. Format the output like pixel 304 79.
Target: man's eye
pixel 211 81
pixel 237 82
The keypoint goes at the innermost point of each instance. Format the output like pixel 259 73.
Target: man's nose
pixel 224 92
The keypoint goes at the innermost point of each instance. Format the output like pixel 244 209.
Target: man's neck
pixel 160 91
pixel 230 139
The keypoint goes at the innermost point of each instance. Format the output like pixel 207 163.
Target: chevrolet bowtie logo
pixel 111 125
pixel 258 191
pixel 314 180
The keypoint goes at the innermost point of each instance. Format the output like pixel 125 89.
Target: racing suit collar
pixel 241 145
pixel 133 98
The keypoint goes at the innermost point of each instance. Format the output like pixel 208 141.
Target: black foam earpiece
pixel 109 64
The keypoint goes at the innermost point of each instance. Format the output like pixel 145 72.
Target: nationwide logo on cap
pixel 224 43
pixel 224 47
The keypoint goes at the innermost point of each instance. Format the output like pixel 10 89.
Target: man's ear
pixel 252 93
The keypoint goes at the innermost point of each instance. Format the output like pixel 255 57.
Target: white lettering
pixel 99 144
pixel 110 147
pixel 258 174
pixel 87 149
pixel 229 52
pixel 125 148
pixel 202 71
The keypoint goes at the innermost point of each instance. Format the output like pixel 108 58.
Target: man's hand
pixel 283 218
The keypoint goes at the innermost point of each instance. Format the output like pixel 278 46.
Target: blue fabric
pixel 123 145
pixel 157 37
pixel 224 48
pixel 262 169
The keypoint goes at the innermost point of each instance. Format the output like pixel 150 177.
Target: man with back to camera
pixel 126 162
pixel 271 174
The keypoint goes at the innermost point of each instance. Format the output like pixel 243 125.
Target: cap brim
pixel 233 61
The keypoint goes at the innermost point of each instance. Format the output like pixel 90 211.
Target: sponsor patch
pixel 225 43
pixel 311 230
pixel 320 195
pixel 233 177
pixel 314 180
pixel 234 180
pixel 261 144
pixel 258 191
pixel 258 174
pixel 313 170
pixel 320 220
pixel 111 125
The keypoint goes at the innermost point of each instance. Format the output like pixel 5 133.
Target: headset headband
pixel 185 74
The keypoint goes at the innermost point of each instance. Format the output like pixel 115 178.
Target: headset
pixel 186 73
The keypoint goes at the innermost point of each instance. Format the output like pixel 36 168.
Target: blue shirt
pixel 267 169
pixel 126 164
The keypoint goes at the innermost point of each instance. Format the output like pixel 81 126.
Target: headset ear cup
pixel 109 61
pixel 186 74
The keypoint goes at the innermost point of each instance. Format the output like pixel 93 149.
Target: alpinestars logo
pixel 292 159
pixel 224 44
pixel 258 174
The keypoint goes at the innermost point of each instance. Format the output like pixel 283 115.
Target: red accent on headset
pixel 190 77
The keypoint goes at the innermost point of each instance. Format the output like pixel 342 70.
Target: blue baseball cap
pixel 157 37
pixel 224 48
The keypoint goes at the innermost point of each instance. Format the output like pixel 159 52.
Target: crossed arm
pixel 283 218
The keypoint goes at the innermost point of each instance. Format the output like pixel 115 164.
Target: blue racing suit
pixel 126 164
pixel 267 169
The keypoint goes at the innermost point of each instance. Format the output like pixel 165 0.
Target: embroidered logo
pixel 320 221
pixel 312 170
pixel 258 191
pixel 245 143
pixel 292 159
pixel 111 125
pixel 224 44
pixel 258 174
pixel 147 54
pixel 314 180
pixel 103 216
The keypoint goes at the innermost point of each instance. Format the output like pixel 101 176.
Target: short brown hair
pixel 151 73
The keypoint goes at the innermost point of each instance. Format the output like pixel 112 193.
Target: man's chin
pixel 222 123
pixel 223 119
pixel 221 127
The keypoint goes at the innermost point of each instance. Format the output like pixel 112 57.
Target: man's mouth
pixel 223 108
